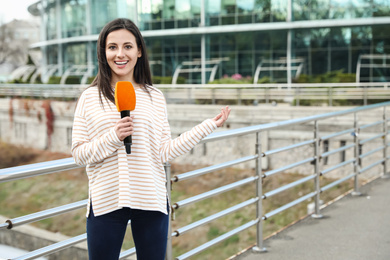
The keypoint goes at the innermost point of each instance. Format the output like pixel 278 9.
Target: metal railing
pixel 237 93
pixel 52 91
pixel 372 135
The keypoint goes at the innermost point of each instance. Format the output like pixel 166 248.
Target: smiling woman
pixel 128 186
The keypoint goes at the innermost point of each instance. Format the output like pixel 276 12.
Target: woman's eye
pixel 128 47
pixel 111 47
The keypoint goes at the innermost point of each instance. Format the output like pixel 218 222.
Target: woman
pixel 123 186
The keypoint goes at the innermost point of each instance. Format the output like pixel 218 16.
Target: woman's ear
pixel 139 52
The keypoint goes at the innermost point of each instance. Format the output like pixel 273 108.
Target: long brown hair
pixel 142 74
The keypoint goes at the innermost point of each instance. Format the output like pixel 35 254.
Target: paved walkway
pixel 353 228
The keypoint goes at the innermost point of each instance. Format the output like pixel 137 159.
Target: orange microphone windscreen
pixel 124 96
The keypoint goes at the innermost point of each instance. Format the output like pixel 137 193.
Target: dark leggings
pixel 105 234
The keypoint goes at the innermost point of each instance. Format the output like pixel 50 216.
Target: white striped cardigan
pixel 118 179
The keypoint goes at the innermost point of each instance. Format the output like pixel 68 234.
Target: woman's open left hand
pixel 222 117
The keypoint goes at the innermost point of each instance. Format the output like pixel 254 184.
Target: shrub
pixel 234 79
pixel 10 156
pixel 38 80
pixel 90 79
pixel 167 80
pixel 330 77
pixel 69 80
pixel 54 80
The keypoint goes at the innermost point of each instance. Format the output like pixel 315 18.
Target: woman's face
pixel 122 54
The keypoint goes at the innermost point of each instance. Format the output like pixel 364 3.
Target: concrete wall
pixel 25 122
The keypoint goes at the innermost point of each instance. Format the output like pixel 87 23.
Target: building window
pixel 360 153
pixel 326 149
pixel 20 131
pixel 342 154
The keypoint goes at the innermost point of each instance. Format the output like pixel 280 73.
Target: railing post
pixel 167 167
pixel 259 248
pixel 166 93
pixel 239 96
pixel 317 185
pixel 357 163
pixel 365 95
pixel 297 96
pixel 330 96
pixel 189 94
pixel 385 130
pixel 256 100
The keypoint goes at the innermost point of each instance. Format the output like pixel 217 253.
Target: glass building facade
pixel 274 38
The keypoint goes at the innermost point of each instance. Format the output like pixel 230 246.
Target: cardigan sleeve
pixel 84 150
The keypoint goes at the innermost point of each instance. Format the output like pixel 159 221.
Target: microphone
pixel 125 102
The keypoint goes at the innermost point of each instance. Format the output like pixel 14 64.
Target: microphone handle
pixel 127 141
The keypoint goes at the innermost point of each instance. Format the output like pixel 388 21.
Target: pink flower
pixel 236 76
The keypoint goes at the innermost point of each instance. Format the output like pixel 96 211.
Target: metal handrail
pixel 218 240
pixel 44 214
pixel 284 168
pixel 337 166
pixel 199 172
pixel 371 138
pixel 214 192
pixel 53 248
pixel 127 253
pixel 343 148
pixel 36 169
pixel 371 125
pixel 208 219
pixel 335 183
pixel 266 127
pixel 286 148
pixel 288 186
pixel 371 166
pixel 371 152
pixel 16 173
pixel 347 131
pixel 289 205
pixel 270 91
pixel 385 85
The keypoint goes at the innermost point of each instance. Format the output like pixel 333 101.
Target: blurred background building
pixel 198 41
pixel 15 37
